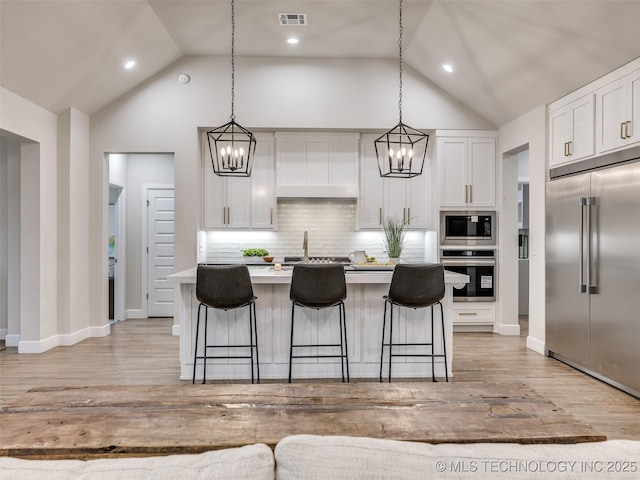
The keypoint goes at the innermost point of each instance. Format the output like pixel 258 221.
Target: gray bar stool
pixel 225 288
pixel 415 286
pixel 320 286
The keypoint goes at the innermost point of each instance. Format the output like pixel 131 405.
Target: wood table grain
pixel 159 420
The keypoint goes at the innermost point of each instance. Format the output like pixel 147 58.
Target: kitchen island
pixel 364 312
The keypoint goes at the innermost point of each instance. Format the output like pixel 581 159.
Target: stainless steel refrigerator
pixel 593 267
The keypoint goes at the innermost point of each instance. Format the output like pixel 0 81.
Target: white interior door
pixel 160 252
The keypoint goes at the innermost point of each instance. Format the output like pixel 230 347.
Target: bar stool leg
pixel 255 330
pixel 251 340
pixel 384 322
pixel 346 344
pixel 433 350
pixel 293 308
pixel 341 341
pixel 204 358
pixel 444 344
pixel 195 350
pixel 390 339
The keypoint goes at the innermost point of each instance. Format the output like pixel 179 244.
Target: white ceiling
pixel 510 55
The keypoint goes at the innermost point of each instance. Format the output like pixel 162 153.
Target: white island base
pixel 364 313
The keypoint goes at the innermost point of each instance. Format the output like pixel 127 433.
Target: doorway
pixel 116 252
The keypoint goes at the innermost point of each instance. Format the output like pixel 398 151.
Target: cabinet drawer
pixel 473 315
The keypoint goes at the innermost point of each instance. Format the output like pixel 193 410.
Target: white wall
pixel 37 130
pixel 163 115
pixel 530 130
pixel 141 169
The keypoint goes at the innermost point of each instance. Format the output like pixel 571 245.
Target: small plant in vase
pixel 394 232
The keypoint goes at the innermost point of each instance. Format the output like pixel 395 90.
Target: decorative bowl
pixel 268 259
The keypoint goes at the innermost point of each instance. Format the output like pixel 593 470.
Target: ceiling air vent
pixel 287 19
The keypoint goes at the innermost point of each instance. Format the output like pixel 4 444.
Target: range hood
pixel 317 191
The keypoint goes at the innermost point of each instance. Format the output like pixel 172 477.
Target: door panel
pixel 615 317
pixel 567 326
pixel 160 257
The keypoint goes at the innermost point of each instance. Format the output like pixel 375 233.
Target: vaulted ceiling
pixel 509 55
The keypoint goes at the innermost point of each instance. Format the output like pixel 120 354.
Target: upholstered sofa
pixel 302 457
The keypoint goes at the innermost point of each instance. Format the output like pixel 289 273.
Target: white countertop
pixel 269 275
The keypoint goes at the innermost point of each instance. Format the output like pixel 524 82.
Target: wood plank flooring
pixel 143 352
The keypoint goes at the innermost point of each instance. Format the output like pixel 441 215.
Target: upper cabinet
pixel 405 199
pixel 241 202
pixel 317 165
pixel 467 167
pixel 571 130
pixel 598 118
pixel 618 113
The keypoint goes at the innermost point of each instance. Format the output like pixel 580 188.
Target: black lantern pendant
pixel 231 146
pixel 401 151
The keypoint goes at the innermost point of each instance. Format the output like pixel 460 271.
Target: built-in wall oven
pixel 468 228
pixel 480 266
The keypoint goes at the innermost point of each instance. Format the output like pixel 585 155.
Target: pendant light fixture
pixel 231 146
pixel 402 150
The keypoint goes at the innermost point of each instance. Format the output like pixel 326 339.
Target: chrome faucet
pixel 305 247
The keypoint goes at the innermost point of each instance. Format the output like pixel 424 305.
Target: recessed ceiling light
pixel 130 64
pixel 447 68
pixel 292 40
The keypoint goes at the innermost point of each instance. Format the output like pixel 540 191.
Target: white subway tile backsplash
pixel 331 226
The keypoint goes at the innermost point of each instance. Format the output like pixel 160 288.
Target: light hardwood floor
pixel 143 352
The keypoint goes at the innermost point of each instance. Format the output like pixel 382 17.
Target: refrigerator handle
pixel 581 283
pixel 591 288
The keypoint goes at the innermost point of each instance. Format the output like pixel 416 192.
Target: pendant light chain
pixel 400 61
pixel 233 64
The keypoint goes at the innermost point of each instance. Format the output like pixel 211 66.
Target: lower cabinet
pixel 474 316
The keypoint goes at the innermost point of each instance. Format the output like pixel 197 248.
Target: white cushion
pixel 250 462
pixel 307 457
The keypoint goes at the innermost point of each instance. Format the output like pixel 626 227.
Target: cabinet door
pixel 418 206
pixel 611 113
pixel 634 127
pixel 452 160
pixel 560 132
pixel 583 128
pixel 395 198
pixel 289 162
pixel 370 200
pixel 214 203
pixel 343 164
pixel 481 172
pixel 263 213
pixel 238 194
pixel 316 161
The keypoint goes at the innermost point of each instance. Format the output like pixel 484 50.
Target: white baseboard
pixel 507 329
pixel 12 340
pixel 536 345
pixel 38 346
pixel 68 339
pixel 138 313
pixel 3 333
pixel 175 330
pixel 101 331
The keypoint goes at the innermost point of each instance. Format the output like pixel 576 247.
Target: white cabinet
pixel 241 202
pixel 571 130
pixel 317 165
pixel 474 316
pixel 467 168
pixel 406 199
pixel 263 200
pixel 618 113
pixel 227 200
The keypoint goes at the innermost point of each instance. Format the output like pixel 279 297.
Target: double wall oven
pixel 468 246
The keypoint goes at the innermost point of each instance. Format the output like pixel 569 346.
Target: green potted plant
pixel 393 232
pixel 257 252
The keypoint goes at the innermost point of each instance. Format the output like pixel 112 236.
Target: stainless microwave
pixel 468 228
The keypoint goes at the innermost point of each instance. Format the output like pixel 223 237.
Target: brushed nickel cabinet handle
pixel 224 215
pixel 271 215
pixel 228 215
pixel 470 193
pixel 467 314
pixel 408 215
pixel 466 194
pixel 570 149
pixel 623 134
pixel 380 215
pixel 628 128
pixel 565 149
